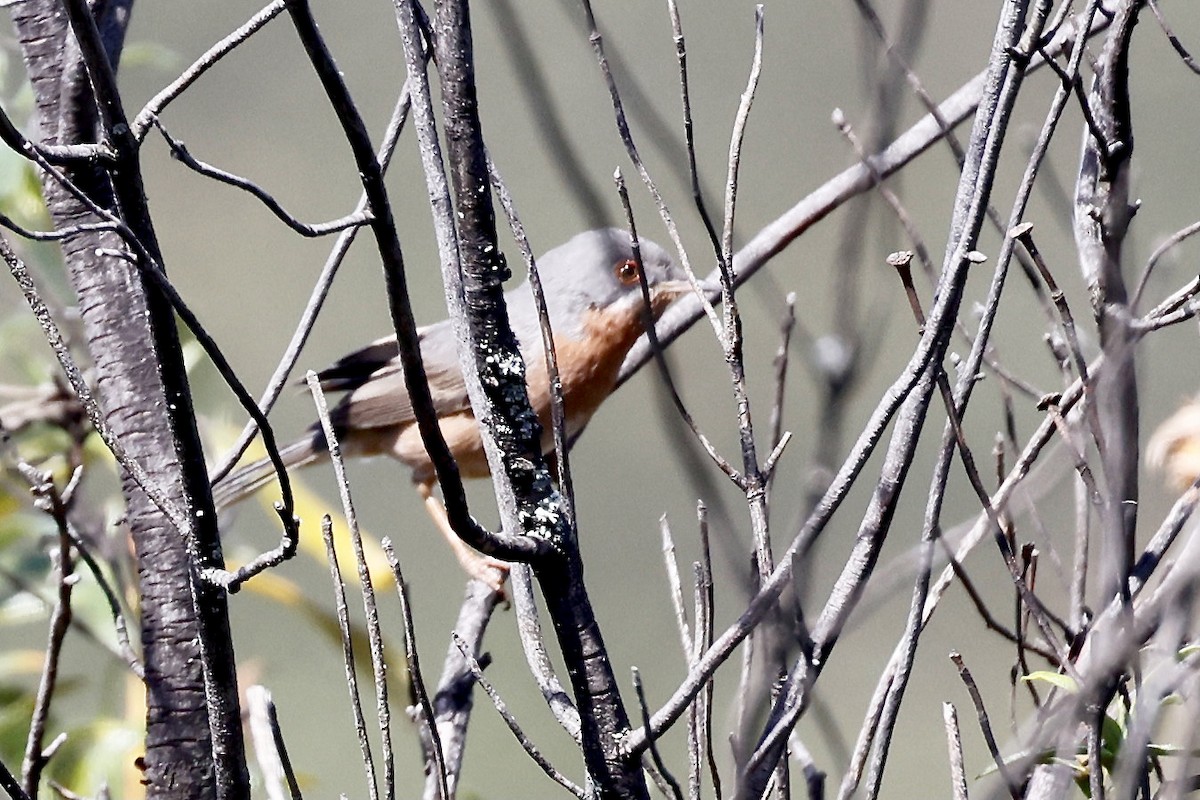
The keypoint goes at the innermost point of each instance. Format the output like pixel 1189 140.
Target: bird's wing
pixel 354 369
pixel 378 396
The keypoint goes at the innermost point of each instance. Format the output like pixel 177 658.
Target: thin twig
pixel 696 711
pixel 958 772
pixel 79 385
pixel 1023 233
pixel 985 615
pixel 706 611
pixel 273 760
pixel 732 340
pixel 522 738
pixel 82 154
pixel 985 725
pixel 659 357
pixel 343 618
pixel 626 135
pixel 1188 60
pixel 655 756
pixel 416 678
pixel 141 124
pixel 1168 244
pixel 50 501
pixel 533 644
pixel 58 234
pixel 180 152
pixel 781 781
pixel 370 608
pixel 35 478
pixel 120 625
pixel 889 196
pixel 675 586
pixel 689 135
pixel 786 326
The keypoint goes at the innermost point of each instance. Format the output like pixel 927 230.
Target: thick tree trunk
pixel 193 738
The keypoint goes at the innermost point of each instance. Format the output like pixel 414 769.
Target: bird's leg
pixel 488 570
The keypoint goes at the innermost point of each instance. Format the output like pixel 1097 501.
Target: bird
pixel 1174 448
pixel 596 311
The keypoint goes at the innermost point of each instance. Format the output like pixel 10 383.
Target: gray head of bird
pixel 597 271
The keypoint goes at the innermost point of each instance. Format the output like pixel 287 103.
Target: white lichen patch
pixel 545 519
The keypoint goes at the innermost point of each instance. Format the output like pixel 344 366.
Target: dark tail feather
pixel 241 483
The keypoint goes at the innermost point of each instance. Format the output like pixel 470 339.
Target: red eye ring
pixel 627 272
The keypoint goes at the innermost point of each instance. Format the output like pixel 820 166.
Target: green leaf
pixel 1112 737
pixel 1064 682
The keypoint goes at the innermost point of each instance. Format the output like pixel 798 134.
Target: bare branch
pixel 440 773
pixel 958 773
pixel 370 609
pixel 180 152
pixel 832 194
pixel 985 725
pixel 49 499
pixel 511 721
pixel 141 124
pixel 343 618
pixel 273 760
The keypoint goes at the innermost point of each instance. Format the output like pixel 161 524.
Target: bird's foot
pixel 492 572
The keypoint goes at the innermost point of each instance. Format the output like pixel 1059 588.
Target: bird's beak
pixel 672 288
pixel 682 287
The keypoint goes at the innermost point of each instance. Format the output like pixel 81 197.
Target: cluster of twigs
pixel 1113 657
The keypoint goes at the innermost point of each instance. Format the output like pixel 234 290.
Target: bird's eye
pixel 627 272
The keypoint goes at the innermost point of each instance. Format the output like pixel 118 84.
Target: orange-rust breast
pixel 587 367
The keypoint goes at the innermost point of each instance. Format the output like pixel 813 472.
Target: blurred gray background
pixel 260 113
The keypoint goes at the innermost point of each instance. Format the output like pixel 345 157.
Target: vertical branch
pixel 194 737
pixel 958 773
pixel 528 499
pixel 343 619
pixel 732 341
pixel 452 704
pixel 273 760
pixel 370 607
pixel 897 680
pixel 387 241
pixel 1102 216
pixel 51 502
